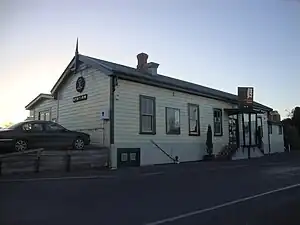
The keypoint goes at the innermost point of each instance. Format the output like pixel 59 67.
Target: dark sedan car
pixel 41 134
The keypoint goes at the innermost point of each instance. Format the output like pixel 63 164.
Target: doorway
pixel 233 130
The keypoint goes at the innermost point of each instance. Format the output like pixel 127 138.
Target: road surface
pixel 255 192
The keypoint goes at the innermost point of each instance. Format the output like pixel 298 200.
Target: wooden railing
pixel 18 154
pixel 37 160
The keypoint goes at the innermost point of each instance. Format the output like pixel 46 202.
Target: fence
pixel 39 160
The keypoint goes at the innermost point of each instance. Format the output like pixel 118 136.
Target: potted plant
pixel 209 144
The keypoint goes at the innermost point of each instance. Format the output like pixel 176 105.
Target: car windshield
pixel 15 125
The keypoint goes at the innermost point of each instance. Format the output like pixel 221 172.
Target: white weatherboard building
pixel 147 118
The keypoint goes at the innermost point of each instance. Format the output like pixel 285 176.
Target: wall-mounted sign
pixel 80 84
pixel 80 98
pixel 245 97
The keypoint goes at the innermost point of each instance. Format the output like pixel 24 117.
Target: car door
pixel 57 135
pixel 34 133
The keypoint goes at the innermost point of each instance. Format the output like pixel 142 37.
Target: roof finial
pixel 76 57
pixel 76 51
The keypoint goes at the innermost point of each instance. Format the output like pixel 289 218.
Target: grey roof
pixel 130 73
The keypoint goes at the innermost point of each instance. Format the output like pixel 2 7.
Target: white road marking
pixel 201 211
pixel 55 178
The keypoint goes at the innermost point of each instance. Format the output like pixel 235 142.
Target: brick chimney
pixel 142 62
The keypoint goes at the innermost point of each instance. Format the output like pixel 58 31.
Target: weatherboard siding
pixel 188 148
pixel 85 115
pixel 276 140
pixel 43 105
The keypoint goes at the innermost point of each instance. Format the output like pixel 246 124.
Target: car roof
pixel 37 121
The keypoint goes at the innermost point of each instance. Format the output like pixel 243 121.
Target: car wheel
pixel 78 144
pixel 21 145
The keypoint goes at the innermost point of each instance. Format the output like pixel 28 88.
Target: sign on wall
pixel 245 97
pixel 80 98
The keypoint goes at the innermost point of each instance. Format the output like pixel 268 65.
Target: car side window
pixel 35 127
pixel 53 127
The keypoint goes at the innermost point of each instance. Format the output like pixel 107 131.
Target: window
pixel 218 129
pixel 32 127
pixel 279 129
pixel 44 115
pixel 53 127
pixel 194 124
pixel 270 128
pixel 172 121
pixel 147 115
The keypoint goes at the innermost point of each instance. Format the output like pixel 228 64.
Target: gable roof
pixel 130 73
pixel 37 99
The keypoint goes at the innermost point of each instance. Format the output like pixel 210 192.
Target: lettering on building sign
pixel 245 97
pixel 80 98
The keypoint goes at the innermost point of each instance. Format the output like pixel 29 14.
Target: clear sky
pixel 218 43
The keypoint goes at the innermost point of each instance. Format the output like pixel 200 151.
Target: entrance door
pixel 260 124
pixel 233 130
pixel 249 129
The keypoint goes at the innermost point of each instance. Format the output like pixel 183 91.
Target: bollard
pixel 0 167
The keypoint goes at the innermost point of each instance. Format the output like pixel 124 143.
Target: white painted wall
pixel 85 115
pixel 46 104
pixel 276 140
pixel 188 148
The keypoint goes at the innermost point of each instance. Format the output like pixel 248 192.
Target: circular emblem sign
pixel 80 84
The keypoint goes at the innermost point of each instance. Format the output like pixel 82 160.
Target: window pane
pixel 253 129
pixel 47 116
pixel 216 113
pixel 147 106
pixel 27 127
pixel 217 122
pixel 37 127
pixel 246 127
pixel 147 123
pixel 54 127
pixel 177 118
pixel 193 112
pixel 193 126
pixel 173 120
pixel 217 128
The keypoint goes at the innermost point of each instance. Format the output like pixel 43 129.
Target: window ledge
pixel 149 133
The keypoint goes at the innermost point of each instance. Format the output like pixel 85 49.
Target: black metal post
pixel 0 167
pixel 250 134
pixel 37 162
pixel 237 133
pixel 68 162
pixel 243 127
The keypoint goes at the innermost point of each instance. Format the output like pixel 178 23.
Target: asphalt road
pixel 255 192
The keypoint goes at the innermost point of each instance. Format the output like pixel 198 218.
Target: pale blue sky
pixel 218 43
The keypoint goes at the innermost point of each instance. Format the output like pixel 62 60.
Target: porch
pixel 248 134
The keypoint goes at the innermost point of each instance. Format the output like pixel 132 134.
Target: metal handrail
pixel 175 160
